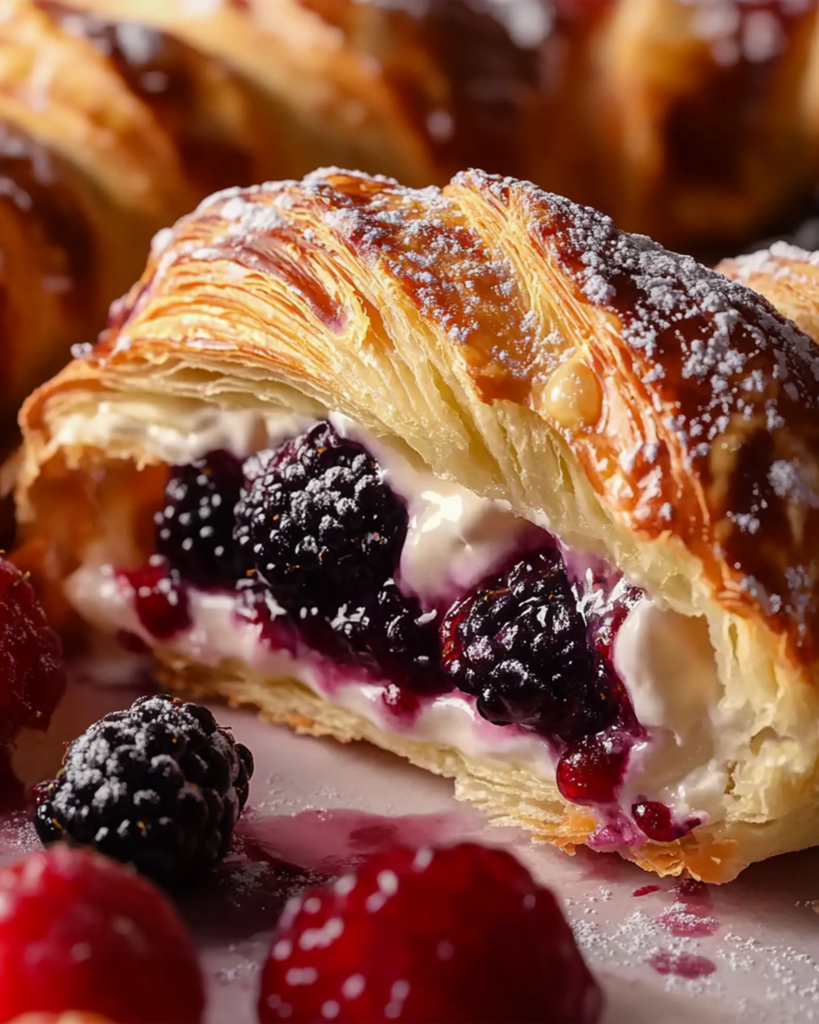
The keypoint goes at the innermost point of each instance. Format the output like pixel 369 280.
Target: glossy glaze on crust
pixel 688 400
pixel 81 170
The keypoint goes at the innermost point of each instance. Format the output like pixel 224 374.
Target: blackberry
pixel 317 520
pixel 194 529
pixel 159 786
pixel 396 638
pixel 519 644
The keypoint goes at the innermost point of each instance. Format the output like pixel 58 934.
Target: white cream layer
pixel 455 538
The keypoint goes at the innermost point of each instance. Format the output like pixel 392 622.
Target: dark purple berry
pixel 393 637
pixel 159 785
pixel 520 645
pixel 317 521
pixel 194 528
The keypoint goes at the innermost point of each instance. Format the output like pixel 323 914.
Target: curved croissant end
pixel 787 276
pixel 638 404
pixel 682 123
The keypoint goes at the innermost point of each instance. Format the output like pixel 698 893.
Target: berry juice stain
pixel 333 841
pixel 646 890
pixel 274 858
pixel 683 965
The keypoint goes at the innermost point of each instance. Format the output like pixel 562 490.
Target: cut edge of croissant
pixel 509 795
pixel 575 402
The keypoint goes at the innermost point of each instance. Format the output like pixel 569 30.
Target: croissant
pixel 697 123
pixel 472 475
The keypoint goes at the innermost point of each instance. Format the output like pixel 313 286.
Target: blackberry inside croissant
pixel 474 476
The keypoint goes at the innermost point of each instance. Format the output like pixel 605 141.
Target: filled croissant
pixel 695 122
pixel 474 476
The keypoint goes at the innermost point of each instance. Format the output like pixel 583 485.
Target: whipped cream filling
pixel 455 538
pixel 667 663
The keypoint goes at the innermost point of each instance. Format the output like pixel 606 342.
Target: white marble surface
pixel 318 805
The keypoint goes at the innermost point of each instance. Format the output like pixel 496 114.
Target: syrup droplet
pixel 683 965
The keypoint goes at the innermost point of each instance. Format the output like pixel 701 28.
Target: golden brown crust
pixel 787 276
pixel 687 400
pixel 88 176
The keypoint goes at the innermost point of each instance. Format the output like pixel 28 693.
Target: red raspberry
pixel 591 770
pixel 80 932
pixel 455 934
pixel 31 657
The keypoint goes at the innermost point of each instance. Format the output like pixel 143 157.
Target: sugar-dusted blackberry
pixel 397 639
pixel 520 645
pixel 194 527
pixel 159 785
pixel 317 520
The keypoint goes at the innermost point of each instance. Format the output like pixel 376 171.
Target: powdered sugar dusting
pixel 733 385
pixel 777 262
pixel 466 287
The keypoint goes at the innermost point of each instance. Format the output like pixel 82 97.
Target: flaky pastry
pixel 472 475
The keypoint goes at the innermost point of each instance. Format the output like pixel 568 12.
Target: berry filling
pixel 309 539
pixel 316 519
pixel 519 645
pixel 160 598
pixel 655 820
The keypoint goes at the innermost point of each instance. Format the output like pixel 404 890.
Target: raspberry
pixel 79 932
pixel 194 529
pixel 655 821
pixel 159 785
pixel 519 644
pixel 456 934
pixel 317 520
pixel 160 599
pixel 31 658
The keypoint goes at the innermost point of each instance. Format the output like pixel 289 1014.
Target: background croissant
pixel 694 122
